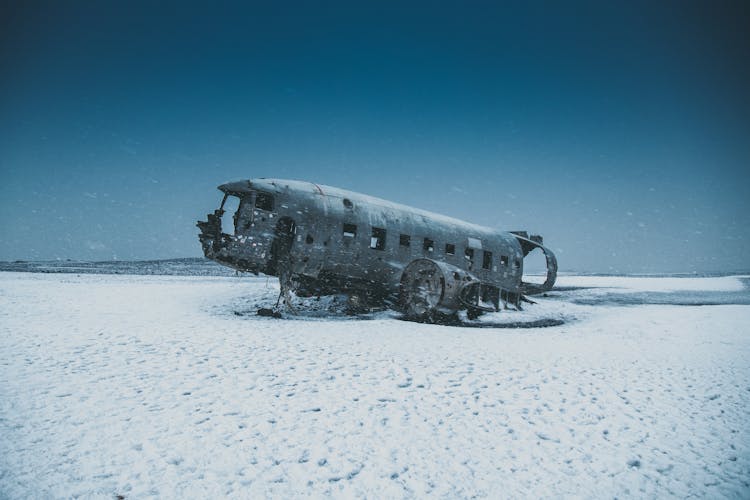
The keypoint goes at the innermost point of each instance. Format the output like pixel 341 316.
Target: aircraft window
pixel 517 264
pixel 350 230
pixel 309 239
pixel 377 241
pixel 264 201
pixel 487 260
pixel 404 240
pixel 348 203
pixel 429 245
pixel 503 260
pixel 450 249
pixel 231 206
pixel 469 255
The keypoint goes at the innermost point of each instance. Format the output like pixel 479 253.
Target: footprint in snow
pixel 547 437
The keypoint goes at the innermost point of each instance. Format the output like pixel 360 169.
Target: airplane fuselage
pixel 324 240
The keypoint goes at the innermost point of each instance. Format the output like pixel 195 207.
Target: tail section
pixel 529 243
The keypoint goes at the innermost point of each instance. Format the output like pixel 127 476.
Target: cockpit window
pixel 264 201
pixel 230 205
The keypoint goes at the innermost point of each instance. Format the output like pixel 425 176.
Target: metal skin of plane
pixel 321 240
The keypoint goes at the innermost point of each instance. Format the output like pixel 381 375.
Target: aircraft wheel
pixel 422 287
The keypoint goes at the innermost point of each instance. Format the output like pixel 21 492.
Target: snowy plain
pixel 172 386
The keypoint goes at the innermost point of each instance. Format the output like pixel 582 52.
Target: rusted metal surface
pixel 321 240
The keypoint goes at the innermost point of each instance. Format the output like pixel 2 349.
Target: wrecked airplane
pixel 319 240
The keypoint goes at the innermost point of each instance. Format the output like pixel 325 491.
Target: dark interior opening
pixel 264 201
pixel 350 230
pixel 377 241
pixel 469 255
pixel 487 260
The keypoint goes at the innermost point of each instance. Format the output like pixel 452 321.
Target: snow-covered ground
pixel 172 386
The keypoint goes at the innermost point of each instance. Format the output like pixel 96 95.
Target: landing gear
pixel 432 291
pixel 282 263
pixel 285 292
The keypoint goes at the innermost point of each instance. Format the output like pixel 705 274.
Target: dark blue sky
pixel 618 131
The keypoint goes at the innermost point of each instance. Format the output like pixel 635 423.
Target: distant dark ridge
pixel 199 266
pixel 195 266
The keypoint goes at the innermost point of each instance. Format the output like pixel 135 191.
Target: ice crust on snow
pixel 170 386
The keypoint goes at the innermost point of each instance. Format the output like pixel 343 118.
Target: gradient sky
pixel 619 131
